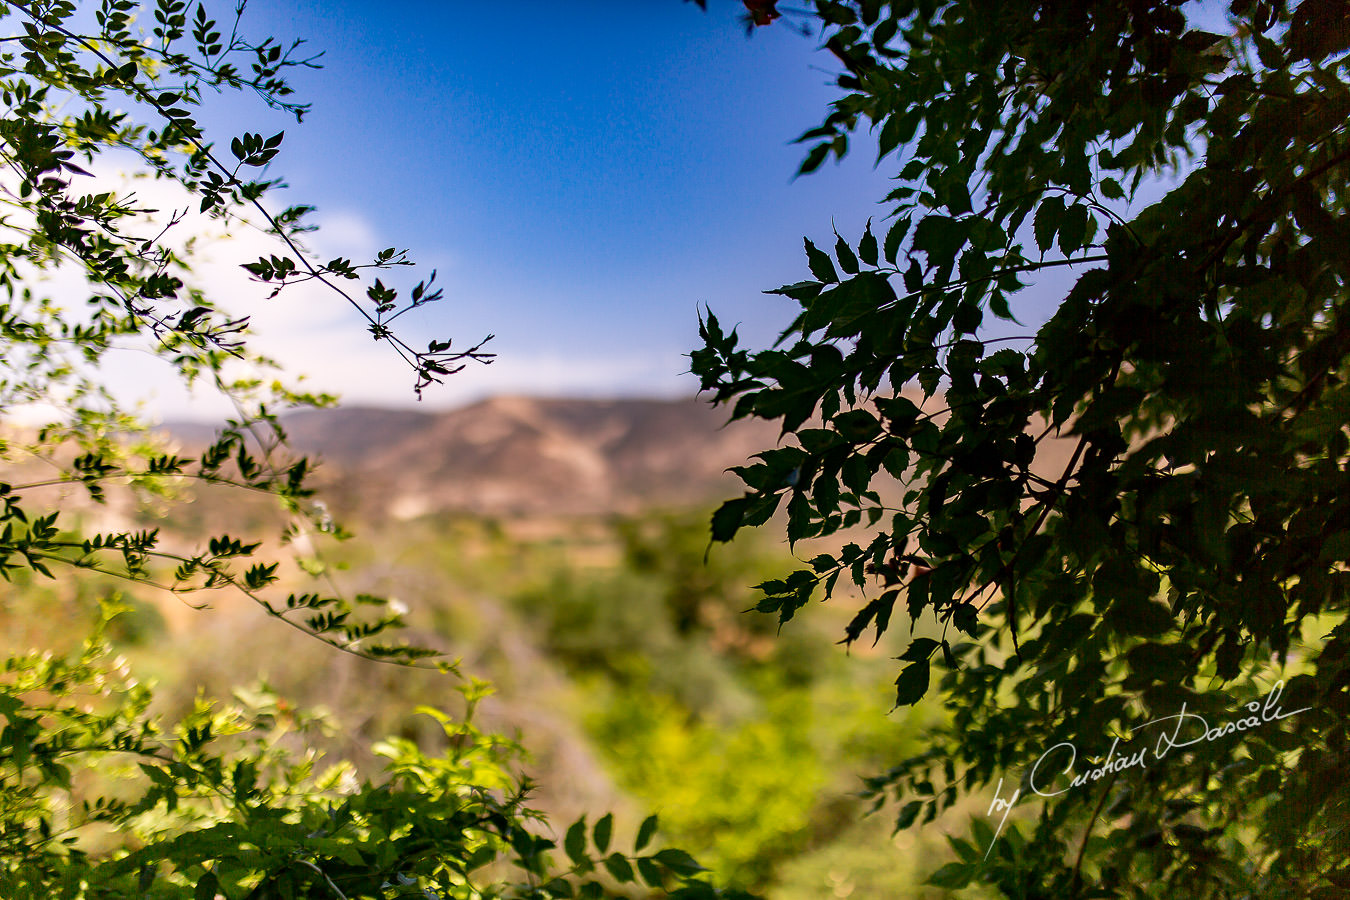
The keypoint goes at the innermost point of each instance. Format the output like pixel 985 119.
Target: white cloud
pixel 308 328
pixel 314 332
pixel 344 233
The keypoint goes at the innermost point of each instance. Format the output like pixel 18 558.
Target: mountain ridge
pixel 520 455
pixel 517 455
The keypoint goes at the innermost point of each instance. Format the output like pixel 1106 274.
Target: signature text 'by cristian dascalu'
pixel 1188 728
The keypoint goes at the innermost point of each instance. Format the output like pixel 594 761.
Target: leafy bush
pixel 104 800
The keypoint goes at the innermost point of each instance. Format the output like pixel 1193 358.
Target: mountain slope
pixel 530 456
pixel 517 455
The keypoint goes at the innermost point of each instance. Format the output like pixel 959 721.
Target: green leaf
pixel 339 850
pixel 965 849
pixel 1048 218
pixel 821 266
pixel 894 237
pixel 929 380
pixel 890 135
pixel 956 197
pixel 802 290
pixel 619 868
pixel 967 318
pixel 1073 226
pixel 965 617
pixel 912 683
pixel 1228 658
pixel 558 887
pixel 913 277
pixel 728 517
pixel 603 829
pixel 941 237
pixel 896 462
pixel 1269 52
pixel 919 650
pixel 651 873
pixel 898 129
pixel 953 876
pixel 574 842
pixel 645 832
pixel 813 159
pixel 1157 661
pixel 908 814
pixel 1336 547
pixel 819 440
pixel 847 261
pixel 678 861
pixel 867 247
pixel 857 426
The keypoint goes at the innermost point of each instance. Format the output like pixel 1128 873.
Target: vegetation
pixel 1148 641
pixel 1192 552
pixel 747 744
pixel 104 795
pixel 103 800
pixel 748 747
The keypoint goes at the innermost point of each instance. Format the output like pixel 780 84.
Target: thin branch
pixel 1082 847
pixel 223 576
pixel 420 362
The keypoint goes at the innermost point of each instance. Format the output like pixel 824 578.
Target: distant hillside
pixel 531 456
pixel 526 455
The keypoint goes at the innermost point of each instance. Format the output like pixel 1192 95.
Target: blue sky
pixel 583 176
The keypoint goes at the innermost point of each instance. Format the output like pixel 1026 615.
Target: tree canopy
pixel 1181 583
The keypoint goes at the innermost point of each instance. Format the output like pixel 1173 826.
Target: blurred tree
pixel 1193 547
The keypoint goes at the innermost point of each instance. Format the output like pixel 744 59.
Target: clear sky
pixel 583 176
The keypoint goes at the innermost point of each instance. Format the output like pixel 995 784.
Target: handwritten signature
pixel 1195 724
